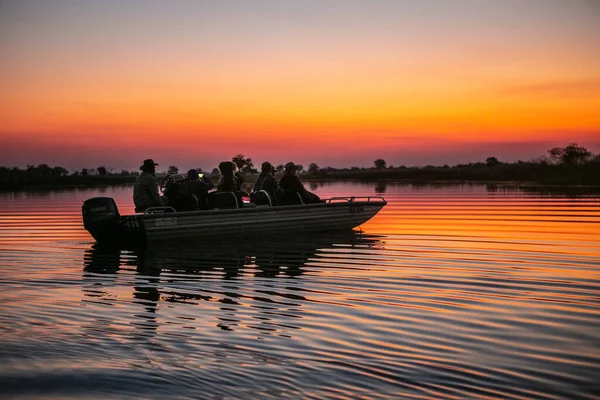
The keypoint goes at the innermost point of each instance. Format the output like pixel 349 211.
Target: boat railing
pixel 159 210
pixel 354 199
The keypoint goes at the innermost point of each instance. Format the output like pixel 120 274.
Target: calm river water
pixel 450 292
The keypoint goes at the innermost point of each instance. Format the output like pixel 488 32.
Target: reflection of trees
pixel 316 184
pixel 560 191
pixel 231 274
pixel 380 187
pixel 491 187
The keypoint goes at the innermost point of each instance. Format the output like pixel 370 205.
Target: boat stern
pixel 102 220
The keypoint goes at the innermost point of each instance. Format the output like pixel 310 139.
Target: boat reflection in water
pixel 271 256
pixel 249 284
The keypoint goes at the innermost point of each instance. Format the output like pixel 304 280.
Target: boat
pixel 226 217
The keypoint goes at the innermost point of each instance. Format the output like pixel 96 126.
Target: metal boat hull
pixel 110 228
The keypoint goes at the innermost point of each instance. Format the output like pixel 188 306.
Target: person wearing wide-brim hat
pixel 145 188
pixel 291 183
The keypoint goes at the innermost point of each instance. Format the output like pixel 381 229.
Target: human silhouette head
pixel 149 166
pixel 291 168
pixel 227 168
pixel 192 174
pixel 267 167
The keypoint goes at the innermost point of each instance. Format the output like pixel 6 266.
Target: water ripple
pixel 450 292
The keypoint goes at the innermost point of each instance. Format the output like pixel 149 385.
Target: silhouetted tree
pixel 216 171
pixel 300 167
pixel 44 171
pixel 101 170
pixel 279 168
pixel 172 170
pixel 572 154
pixel 244 164
pixel 380 163
pixel 59 171
pixel 491 161
pixel 542 160
pixel 313 168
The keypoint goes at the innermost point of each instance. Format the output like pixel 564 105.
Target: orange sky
pixel 338 83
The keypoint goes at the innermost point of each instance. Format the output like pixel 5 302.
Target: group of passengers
pixel 197 187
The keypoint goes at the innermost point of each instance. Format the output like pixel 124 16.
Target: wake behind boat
pixel 102 220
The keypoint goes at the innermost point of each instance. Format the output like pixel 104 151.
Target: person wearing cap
pixel 266 181
pixel 145 188
pixel 199 187
pixel 291 183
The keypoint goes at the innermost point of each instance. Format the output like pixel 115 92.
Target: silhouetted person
pixel 231 180
pixel 266 181
pixel 199 187
pixel 291 183
pixel 145 188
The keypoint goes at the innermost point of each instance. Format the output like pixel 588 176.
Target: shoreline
pixel 106 183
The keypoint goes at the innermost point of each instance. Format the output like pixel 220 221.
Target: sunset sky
pixel 336 82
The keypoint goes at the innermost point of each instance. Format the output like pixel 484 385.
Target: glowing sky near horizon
pixel 339 83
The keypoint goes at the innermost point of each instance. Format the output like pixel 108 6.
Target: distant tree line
pixel 45 175
pixel 568 165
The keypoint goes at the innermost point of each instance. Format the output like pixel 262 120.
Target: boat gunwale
pixel 255 209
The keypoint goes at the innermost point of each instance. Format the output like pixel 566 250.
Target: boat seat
pixel 262 198
pixel 222 200
pixel 189 202
pixel 291 197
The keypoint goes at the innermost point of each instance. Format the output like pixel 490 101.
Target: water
pixel 450 292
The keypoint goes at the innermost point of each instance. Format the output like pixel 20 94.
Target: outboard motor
pixel 100 216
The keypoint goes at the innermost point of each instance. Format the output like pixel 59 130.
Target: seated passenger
pixel 266 181
pixel 145 188
pixel 199 187
pixel 178 192
pixel 291 182
pixel 231 180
